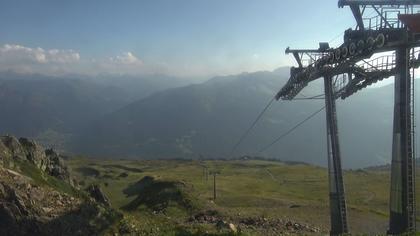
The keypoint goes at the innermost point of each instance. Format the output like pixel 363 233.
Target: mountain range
pixel 52 109
pixel 163 117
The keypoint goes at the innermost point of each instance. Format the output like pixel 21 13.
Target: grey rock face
pixel 5 156
pixel 14 147
pixel 9 214
pixel 34 153
pixel 56 166
pixel 96 193
pixel 24 149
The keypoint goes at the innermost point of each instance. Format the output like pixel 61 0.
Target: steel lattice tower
pixel 394 28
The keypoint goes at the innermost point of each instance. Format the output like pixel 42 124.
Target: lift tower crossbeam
pixel 342 3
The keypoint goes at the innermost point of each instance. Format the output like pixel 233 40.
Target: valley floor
pixel 256 197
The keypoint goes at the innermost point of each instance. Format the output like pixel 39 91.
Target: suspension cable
pixel 290 130
pixel 252 126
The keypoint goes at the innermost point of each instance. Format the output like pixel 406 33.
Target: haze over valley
pixel 157 116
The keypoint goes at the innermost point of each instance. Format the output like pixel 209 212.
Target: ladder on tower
pixel 340 187
pixel 411 166
pixel 337 198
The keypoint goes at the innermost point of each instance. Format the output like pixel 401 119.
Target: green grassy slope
pixel 250 188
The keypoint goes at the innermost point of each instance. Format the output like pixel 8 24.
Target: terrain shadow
pixel 157 195
pixel 88 219
pixel 88 171
pixel 126 168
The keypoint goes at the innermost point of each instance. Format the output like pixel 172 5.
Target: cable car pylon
pixel 395 28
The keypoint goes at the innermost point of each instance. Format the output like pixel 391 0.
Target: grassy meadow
pixel 245 189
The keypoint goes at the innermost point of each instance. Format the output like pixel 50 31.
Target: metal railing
pixel 382 63
pixel 386 62
pixel 387 17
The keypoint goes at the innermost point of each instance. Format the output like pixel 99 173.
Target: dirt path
pixel 371 196
pixel 274 177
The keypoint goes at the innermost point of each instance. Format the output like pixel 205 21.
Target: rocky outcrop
pixel 34 153
pixel 33 203
pixel 5 156
pixel 264 225
pixel 279 226
pixel 56 166
pixel 30 209
pixel 10 150
pixel 25 207
pixel 96 193
pixel 13 150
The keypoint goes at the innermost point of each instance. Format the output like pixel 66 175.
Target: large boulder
pixel 34 153
pixel 30 209
pixel 15 149
pixel 9 215
pixel 56 166
pixel 6 157
pixel 96 193
pixel 12 209
pixel 27 150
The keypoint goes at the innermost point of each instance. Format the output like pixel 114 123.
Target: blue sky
pixel 180 37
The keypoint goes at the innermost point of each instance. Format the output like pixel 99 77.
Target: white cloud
pixel 63 61
pixel 25 59
pixel 124 63
pixel 17 54
pixel 126 58
pixel 63 56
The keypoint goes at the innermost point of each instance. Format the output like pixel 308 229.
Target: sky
pixel 190 38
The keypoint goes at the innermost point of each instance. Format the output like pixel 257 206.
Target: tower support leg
pixel 338 210
pixel 402 197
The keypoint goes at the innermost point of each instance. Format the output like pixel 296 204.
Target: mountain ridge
pixel 207 119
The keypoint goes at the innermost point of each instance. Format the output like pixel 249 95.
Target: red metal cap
pixel 412 21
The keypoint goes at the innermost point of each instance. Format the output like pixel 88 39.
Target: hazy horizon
pixel 183 38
